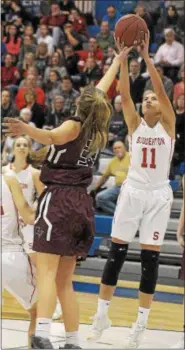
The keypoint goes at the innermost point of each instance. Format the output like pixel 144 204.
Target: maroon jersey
pixel 69 164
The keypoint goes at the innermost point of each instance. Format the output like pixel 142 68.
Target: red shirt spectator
pixel 179 87
pixel 79 23
pixel 56 18
pixel 12 40
pixel 93 51
pixel 9 73
pixel 30 84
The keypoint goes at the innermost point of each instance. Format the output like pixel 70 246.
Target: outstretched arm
pixel 130 115
pixel 168 115
pixel 180 230
pixel 109 76
pixel 68 131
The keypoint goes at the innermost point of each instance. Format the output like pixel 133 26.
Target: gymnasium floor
pixel 164 327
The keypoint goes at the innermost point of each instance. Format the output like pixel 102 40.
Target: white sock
pixel 103 306
pixel 72 338
pixel 43 327
pixel 142 317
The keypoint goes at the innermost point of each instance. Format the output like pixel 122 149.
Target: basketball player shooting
pixel 17 270
pixel 145 199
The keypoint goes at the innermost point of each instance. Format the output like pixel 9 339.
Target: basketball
pixel 130 28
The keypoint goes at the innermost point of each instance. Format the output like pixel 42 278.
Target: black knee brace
pixel 117 255
pixel 149 267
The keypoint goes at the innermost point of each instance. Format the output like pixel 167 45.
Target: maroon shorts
pixel 182 270
pixel 64 222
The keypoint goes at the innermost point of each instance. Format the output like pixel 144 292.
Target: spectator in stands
pixel 113 90
pixel 117 128
pixel 31 11
pixel 29 31
pixel 66 6
pixel 52 88
pixel 42 58
pixel 26 115
pixel 55 21
pixel 69 94
pixel 79 23
pixel 110 56
pixel 9 74
pixel 37 111
pixel 28 61
pixel 180 129
pixel 44 37
pixel 55 63
pixel 71 36
pixel 32 71
pixel 92 70
pixel 170 54
pixel 167 82
pixel 105 38
pixel 142 12
pixel 27 46
pixel 8 109
pixel 172 17
pixel 137 82
pixel 30 83
pixel 93 51
pixel 55 114
pixel 14 11
pixel 12 40
pixel 71 60
pixel 179 87
pixel 117 167
pixel 3 51
pixel 112 16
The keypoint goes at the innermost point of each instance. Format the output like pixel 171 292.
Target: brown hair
pixel 94 110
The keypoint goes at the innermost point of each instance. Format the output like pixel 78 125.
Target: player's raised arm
pixel 107 80
pixel 168 115
pixel 130 115
pixel 66 132
pixel 27 213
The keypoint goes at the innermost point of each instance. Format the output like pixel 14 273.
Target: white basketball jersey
pixel 24 177
pixel 151 151
pixel 9 215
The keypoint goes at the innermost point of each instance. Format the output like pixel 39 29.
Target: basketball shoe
pixel 135 337
pixel 180 344
pixel 40 343
pixel 100 324
pixel 70 346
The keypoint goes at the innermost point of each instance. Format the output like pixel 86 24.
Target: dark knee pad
pixel 149 267
pixel 117 255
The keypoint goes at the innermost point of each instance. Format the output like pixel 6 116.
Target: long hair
pixel 95 111
pixel 7 37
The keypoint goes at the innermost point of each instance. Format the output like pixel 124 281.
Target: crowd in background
pixel 46 61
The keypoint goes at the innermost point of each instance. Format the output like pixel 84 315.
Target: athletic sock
pixel 103 306
pixel 72 338
pixel 142 317
pixel 43 327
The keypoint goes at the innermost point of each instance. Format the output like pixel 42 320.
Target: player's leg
pixel 152 232
pixel 67 297
pixel 32 325
pixel 125 224
pixel 47 266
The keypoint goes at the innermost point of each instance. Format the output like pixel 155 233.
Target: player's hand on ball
pixel 180 240
pixel 143 48
pixel 13 127
pixel 123 51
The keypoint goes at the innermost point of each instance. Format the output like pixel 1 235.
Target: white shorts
pixel 28 235
pixel 143 210
pixel 18 277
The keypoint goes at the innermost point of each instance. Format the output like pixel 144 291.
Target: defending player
pixel 145 199
pixel 64 224
pixel 17 270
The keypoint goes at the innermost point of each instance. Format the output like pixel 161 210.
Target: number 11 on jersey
pixel 152 163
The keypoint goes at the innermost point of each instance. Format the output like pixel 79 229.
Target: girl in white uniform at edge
pixel 145 199
pixel 28 177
